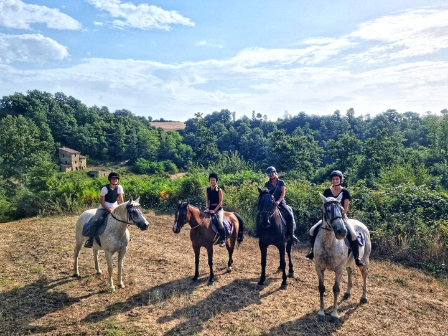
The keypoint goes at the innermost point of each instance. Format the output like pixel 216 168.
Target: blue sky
pixel 172 59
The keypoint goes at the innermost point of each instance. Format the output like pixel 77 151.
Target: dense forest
pixel 395 163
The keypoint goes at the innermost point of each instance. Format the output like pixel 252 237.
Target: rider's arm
pixel 120 199
pixel 282 196
pixel 220 199
pixel 206 201
pixel 346 204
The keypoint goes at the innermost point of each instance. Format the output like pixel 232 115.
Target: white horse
pixel 115 237
pixel 331 252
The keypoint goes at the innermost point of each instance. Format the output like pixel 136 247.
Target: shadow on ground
pixel 20 307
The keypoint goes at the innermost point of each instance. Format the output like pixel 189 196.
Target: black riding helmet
pixel 337 173
pixel 213 175
pixel 270 169
pixel 113 174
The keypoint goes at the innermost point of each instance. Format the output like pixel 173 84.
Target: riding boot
pixel 222 233
pixel 92 233
pixel 310 255
pixel 292 238
pixel 355 250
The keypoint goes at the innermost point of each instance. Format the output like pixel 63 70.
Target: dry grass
pixel 39 296
pixel 169 125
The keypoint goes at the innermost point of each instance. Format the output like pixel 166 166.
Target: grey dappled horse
pixel 115 237
pixel 331 252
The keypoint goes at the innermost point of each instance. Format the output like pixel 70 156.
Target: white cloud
pixel 30 48
pixel 20 15
pixel 319 40
pixel 143 16
pixel 206 44
pixel 409 33
pixel 96 23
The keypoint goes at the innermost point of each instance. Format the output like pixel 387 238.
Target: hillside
pixel 39 296
pixel 169 125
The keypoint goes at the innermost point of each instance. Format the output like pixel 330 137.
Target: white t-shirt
pixel 104 192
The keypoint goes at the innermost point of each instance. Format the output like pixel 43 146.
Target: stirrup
pixel 222 243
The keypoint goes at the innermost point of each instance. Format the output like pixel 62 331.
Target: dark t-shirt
pixel 278 188
pixel 213 195
pixel 345 195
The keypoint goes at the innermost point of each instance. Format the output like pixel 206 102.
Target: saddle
pixel 359 237
pixel 102 224
pixel 227 226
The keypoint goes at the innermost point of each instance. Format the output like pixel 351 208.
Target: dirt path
pixel 39 296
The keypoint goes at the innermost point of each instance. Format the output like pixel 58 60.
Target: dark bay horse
pixel 272 231
pixel 202 234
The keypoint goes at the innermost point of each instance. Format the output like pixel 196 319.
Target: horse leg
pixel 264 251
pixel 320 274
pixel 336 290
pixel 120 266
pixel 230 248
pixel 281 249
pixel 291 267
pixel 350 283
pixel 196 249
pixel 110 269
pixel 75 266
pixel 210 263
pixel 95 259
pixel 364 272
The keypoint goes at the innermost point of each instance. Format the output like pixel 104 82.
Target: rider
pixel 337 178
pixel 111 196
pixel 278 188
pixel 213 203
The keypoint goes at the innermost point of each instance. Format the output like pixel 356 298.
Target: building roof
pixel 69 150
pixel 82 157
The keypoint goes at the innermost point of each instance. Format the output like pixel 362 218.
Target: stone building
pixel 71 160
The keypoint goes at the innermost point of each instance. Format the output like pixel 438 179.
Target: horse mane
pixel 263 201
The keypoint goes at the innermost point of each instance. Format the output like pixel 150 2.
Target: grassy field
pixel 169 125
pixel 39 296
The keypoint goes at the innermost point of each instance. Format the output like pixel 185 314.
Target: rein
pixel 325 219
pixel 128 223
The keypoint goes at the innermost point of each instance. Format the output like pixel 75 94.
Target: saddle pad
pixel 101 227
pixel 227 225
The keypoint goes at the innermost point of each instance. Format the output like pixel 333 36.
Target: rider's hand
pixel 211 211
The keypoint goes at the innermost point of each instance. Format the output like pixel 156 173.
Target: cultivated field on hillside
pixel 39 296
pixel 169 125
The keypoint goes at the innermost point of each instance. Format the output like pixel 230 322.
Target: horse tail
pixel 241 228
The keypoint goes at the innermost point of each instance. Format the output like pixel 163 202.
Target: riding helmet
pixel 270 169
pixel 213 175
pixel 336 173
pixel 113 174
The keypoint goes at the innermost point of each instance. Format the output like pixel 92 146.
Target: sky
pixel 170 59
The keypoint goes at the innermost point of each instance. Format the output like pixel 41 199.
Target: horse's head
pixel 181 216
pixel 332 213
pixel 134 214
pixel 266 207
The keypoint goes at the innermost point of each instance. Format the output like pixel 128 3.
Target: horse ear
pixel 138 200
pixel 259 190
pixel 324 199
pixel 339 197
pixel 130 200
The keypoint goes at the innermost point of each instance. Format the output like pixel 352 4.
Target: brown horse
pixel 202 234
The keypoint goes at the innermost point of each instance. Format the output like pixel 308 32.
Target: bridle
pixel 129 217
pixel 326 221
pixel 269 212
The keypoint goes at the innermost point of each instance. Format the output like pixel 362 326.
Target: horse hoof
pixel 195 279
pixel 291 274
pixel 229 269
pixel 346 296
pixel 321 318
pixel 210 282
pixel 284 286
pixel 260 287
pixel 75 275
pixel 121 285
pixel 363 301
pixel 334 319
pixel 279 270
pixel 112 289
pixel 99 272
